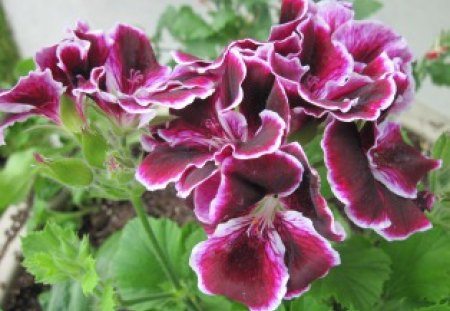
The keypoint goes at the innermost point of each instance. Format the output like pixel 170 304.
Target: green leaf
pixel 94 147
pixel 70 117
pixel 66 296
pixel 184 24
pixel 24 66
pixel 308 303
pixel 70 172
pixel 16 178
pixel 365 8
pixel 440 179
pixel 439 307
pixel 358 281
pixel 104 255
pixel 439 72
pixel 107 299
pixel 141 282
pixel 420 267
pixel 56 255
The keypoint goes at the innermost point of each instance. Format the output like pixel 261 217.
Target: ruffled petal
pixel 130 61
pixel 230 84
pixel 308 200
pixel 396 164
pixel 266 140
pixel 167 164
pixel 308 255
pixel 334 13
pixel 406 215
pixel 350 176
pixel 194 176
pixel 292 9
pixel 244 267
pixel 245 182
pixel 37 93
pixel 203 196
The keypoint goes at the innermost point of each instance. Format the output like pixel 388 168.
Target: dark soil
pixel 110 217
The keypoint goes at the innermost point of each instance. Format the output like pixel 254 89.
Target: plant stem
pixel 158 251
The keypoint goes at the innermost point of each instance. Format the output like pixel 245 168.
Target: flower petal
pixel 308 255
pixel 266 140
pixel 245 182
pixel 307 199
pixel 406 216
pixel 350 176
pixel 194 176
pixel 37 93
pixel 292 9
pixel 167 164
pixel 247 268
pixel 230 85
pixel 204 194
pixel 397 165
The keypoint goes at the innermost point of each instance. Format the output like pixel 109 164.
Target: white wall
pixel 37 23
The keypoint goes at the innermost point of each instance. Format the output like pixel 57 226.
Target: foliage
pixel 358 281
pixel 224 21
pixel 56 255
pixel 16 178
pixel 9 55
pixel 435 64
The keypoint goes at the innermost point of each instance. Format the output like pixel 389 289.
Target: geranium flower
pixel 375 174
pixel 349 69
pixel 211 129
pixel 35 94
pixel 130 67
pixel 72 60
pixel 263 257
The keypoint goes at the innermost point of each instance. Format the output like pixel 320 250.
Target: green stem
pixel 158 251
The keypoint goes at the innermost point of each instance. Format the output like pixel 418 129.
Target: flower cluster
pixel 229 147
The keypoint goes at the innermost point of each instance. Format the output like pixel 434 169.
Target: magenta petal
pixel 72 56
pixel 350 176
pixel 335 13
pixel 266 140
pixel 308 255
pixel 370 100
pixel 244 267
pixel 307 199
pixel 328 60
pixel 257 87
pixel 366 40
pixel 130 61
pixel 37 93
pixel 167 164
pixel 406 216
pixel 292 9
pixel 230 85
pixel 203 196
pixel 396 164
pixel 47 59
pixel 194 176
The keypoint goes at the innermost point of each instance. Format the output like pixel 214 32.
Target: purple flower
pixel 130 68
pixel 35 94
pixel 263 257
pixel 72 60
pixel 212 129
pixel 330 63
pixel 375 174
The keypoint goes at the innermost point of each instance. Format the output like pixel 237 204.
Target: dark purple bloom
pixel 35 94
pixel 130 69
pixel 374 173
pixel 227 123
pixel 332 64
pixel 263 257
pixel 72 60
